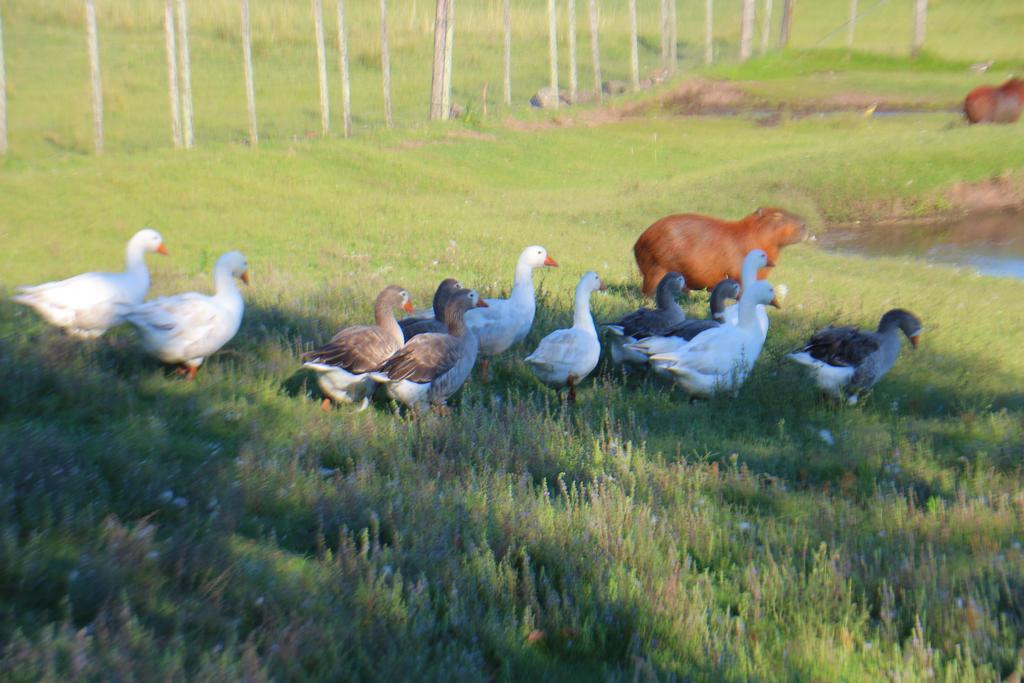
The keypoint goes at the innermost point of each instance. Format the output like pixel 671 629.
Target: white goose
pixel 87 305
pixel 719 359
pixel 507 321
pixel 658 347
pixel 752 263
pixel 186 328
pixel 565 357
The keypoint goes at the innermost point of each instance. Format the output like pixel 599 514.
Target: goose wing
pixel 423 359
pixel 842 346
pixel 357 349
pixel 688 329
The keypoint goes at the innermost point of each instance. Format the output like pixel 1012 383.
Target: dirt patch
pixel 1004 192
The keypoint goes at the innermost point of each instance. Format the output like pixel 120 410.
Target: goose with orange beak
pixel 505 322
pixel 184 329
pixel 343 364
pixel 88 305
pixel 846 362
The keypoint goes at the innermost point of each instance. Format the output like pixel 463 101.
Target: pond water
pixel 990 243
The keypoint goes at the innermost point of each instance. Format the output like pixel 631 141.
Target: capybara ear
pixel 759 211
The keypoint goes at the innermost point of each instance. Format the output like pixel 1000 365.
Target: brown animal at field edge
pixel 706 250
pixel 991 104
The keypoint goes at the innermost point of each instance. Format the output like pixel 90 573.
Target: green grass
pixel 227 528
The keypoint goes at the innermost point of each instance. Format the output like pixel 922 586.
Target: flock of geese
pixel 421 361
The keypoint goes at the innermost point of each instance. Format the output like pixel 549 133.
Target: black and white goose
pixel 681 333
pixel 414 325
pixel 433 366
pixel 847 361
pixel 645 322
pixel 344 362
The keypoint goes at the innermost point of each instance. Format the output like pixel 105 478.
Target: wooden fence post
pixel 709 31
pixel 920 17
pixel 321 65
pixel 93 41
pixel 664 34
pixel 250 83
pixel 553 50
pixel 570 7
pixel 595 50
pixel 346 92
pixel 673 37
pixel 634 53
pixel 171 47
pixel 3 93
pixel 851 25
pixel 437 79
pixel 385 62
pixel 508 52
pixel 747 30
pixel 449 51
pixel 185 72
pixel 787 22
pixel 766 25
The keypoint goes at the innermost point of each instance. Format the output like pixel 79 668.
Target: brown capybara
pixel 706 250
pixel 991 104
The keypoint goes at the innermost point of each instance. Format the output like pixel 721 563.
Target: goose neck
pixel 582 319
pixel 384 316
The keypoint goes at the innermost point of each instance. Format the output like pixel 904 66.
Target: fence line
pixel 92 38
pixel 250 84
pixel 508 52
pixel 171 48
pixel 766 25
pixel 571 9
pixel 449 51
pixel 851 24
pixel 595 50
pixel 787 23
pixel 709 31
pixel 920 17
pixel 553 51
pixel 3 93
pixel 175 24
pixel 673 53
pixel 634 52
pixel 747 30
pixel 346 90
pixel 185 73
pixel 437 78
pixel 321 65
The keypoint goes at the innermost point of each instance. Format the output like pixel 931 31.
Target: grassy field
pixel 228 529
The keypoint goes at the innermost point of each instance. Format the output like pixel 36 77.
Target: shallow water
pixel 990 243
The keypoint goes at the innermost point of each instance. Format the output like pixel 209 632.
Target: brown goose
pixel 345 361
pixel 413 326
pixel 847 361
pixel 432 366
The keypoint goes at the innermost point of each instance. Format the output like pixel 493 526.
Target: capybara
pixel 991 104
pixel 706 250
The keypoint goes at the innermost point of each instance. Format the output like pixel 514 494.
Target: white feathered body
pixel 187 328
pixel 717 360
pixel 89 304
pixel 564 353
pixel 343 386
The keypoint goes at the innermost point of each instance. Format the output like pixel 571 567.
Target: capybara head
pixel 783 227
pixel 1014 85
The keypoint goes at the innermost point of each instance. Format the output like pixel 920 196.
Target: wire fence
pixel 633 44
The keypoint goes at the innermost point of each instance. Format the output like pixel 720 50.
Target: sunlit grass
pixel 227 528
